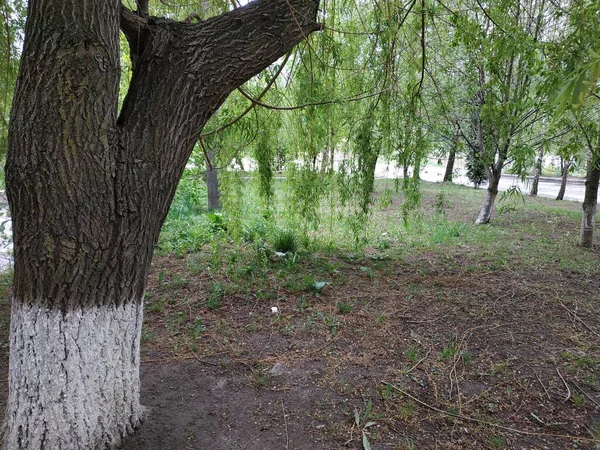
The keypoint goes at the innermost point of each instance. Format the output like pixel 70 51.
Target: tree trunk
pixel 417 169
pixel 485 214
pixel 212 183
pixel 563 182
pixel 89 192
pixel 538 172
pixel 450 165
pixel 324 159
pixel 590 201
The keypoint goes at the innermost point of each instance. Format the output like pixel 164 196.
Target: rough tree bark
pixel 89 192
pixel 538 172
pixel 563 181
pixel 590 200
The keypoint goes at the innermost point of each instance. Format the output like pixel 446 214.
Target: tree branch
pixel 134 27
pixel 182 74
pixel 142 7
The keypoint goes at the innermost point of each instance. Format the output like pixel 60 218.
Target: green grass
pixel 535 234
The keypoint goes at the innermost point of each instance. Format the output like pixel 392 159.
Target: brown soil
pixel 448 360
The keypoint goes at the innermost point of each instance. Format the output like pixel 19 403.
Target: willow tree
pixel 89 188
pixel 501 43
pixel 577 59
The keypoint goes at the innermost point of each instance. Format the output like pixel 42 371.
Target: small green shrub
pixel 216 222
pixel 255 230
pixel 440 203
pixel 344 308
pixel 213 300
pixel 285 241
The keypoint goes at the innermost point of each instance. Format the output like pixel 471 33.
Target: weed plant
pixel 285 241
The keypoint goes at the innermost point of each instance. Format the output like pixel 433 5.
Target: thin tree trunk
pixel 324 160
pixel 331 158
pixel 485 214
pixel 563 182
pixel 417 169
pixel 590 201
pixel 538 172
pixel 212 183
pixel 89 192
pixel 450 165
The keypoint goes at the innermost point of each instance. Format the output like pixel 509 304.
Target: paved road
pixel 547 187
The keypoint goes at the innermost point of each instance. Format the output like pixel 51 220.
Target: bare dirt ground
pixel 441 350
pixel 439 359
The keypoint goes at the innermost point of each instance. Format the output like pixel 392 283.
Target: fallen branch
pixel 200 360
pixel 566 385
pixel 418 362
pixel 590 398
pixel 576 317
pixel 287 436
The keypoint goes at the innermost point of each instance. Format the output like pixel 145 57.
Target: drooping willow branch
pixel 419 85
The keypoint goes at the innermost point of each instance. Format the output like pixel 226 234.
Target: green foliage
pixel 12 15
pixel 213 299
pixel 285 241
pixel 216 222
pixel 306 190
pixel 440 203
pixel 363 422
pixel 344 308
pixel 510 200
pixel 254 230
pixel 476 171
pixel 575 62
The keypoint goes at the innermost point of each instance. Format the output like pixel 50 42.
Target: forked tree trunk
pixel 538 172
pixel 89 192
pixel 563 181
pixel 450 165
pixel 590 201
pixel 485 214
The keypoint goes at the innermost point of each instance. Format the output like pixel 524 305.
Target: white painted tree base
pixel 73 378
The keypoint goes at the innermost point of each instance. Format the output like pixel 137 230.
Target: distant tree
pixel 476 172
pixel 577 60
pixel 501 58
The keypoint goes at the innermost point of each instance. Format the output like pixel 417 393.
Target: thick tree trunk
pixel 590 201
pixel 450 165
pixel 82 367
pixel 89 192
pixel 538 172
pixel 212 183
pixel 563 181
pixel 485 214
